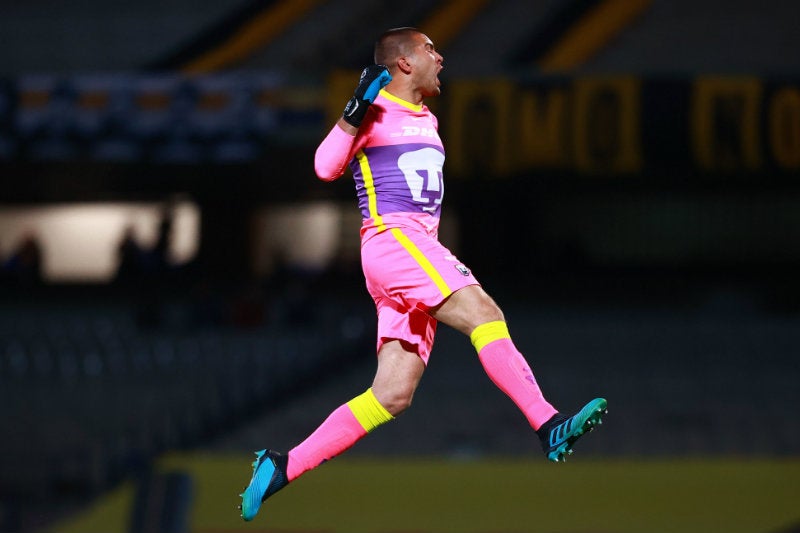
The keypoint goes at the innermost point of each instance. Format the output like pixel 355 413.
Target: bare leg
pixel 399 372
pixel 472 312
pixel 397 377
pixel 467 309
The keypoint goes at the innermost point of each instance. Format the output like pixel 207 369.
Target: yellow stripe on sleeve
pixel 368 411
pixel 420 258
pixel 487 333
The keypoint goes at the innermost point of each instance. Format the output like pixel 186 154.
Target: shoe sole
pixel 263 470
pixel 590 416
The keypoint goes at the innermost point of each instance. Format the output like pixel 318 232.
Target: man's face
pixel 427 63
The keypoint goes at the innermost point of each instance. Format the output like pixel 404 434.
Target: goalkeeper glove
pixel 373 79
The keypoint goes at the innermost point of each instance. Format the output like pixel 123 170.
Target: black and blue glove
pixel 373 79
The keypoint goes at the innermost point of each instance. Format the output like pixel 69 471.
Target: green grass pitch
pixel 492 495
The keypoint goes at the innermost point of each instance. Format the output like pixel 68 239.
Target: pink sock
pixel 511 373
pixel 336 434
pixel 344 427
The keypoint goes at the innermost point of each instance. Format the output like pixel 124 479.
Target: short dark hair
pixel 393 44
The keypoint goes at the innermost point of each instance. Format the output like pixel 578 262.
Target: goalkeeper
pixel 390 140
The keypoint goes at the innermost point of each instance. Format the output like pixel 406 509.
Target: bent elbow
pixel 333 153
pixel 326 168
pixel 325 173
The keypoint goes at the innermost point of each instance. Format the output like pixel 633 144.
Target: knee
pixel 395 399
pixel 482 311
pixel 467 309
pixel 489 311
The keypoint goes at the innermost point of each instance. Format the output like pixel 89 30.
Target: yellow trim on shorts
pixel 368 411
pixel 423 262
pixel 487 333
pixel 369 185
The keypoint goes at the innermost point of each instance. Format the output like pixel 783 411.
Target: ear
pixel 404 64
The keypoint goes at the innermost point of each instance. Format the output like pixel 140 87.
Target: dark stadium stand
pixel 708 373
pixel 89 396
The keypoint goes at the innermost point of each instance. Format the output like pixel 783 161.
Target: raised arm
pixel 334 152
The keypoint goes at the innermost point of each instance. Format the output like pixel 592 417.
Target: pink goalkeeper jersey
pixel 397 162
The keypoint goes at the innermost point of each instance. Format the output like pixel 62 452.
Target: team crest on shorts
pixel 461 268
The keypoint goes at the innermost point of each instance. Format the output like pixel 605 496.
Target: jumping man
pixel 390 140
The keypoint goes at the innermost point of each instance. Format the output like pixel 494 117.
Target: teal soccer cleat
pixel 560 432
pixel 269 476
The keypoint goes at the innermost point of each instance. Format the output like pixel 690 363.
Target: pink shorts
pixel 408 272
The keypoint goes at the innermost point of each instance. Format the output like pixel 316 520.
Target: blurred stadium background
pixel 177 289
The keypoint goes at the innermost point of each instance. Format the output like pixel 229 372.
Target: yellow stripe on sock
pixel 368 411
pixel 420 258
pixel 488 332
